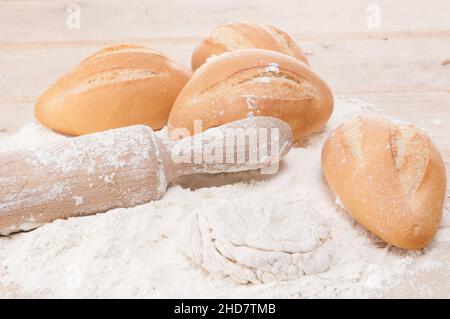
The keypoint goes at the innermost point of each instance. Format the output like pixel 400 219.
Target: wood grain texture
pixel 399 67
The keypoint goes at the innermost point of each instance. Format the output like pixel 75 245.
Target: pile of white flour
pixel 139 252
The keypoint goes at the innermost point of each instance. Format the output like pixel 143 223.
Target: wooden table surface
pixel 402 67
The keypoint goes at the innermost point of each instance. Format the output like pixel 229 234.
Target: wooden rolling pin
pixel 123 168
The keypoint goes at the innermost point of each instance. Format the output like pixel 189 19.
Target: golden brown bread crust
pixel 390 178
pixel 115 87
pixel 245 35
pixel 253 82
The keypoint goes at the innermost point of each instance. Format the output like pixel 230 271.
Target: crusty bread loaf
pixel 244 35
pixel 253 82
pixel 115 87
pixel 390 178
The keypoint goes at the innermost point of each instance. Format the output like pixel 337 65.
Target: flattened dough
pixel 263 241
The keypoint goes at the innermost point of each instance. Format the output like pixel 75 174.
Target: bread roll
pixel 253 82
pixel 390 178
pixel 117 86
pixel 244 35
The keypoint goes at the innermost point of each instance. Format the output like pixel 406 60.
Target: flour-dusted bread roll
pixel 390 178
pixel 245 35
pixel 253 82
pixel 115 87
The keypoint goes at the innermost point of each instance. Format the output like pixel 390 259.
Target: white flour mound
pixel 141 251
pixel 269 237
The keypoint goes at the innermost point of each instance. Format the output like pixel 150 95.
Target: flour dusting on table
pixel 142 251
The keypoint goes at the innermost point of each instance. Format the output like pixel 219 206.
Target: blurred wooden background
pixel 403 66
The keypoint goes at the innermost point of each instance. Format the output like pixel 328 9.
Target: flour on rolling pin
pixel 79 176
pixel 117 168
pixel 235 147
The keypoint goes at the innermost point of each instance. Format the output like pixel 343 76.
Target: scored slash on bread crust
pixel 253 82
pixel 245 35
pixel 390 178
pixel 115 87
pixel 123 48
pixel 109 77
pixel 409 148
